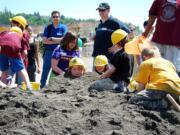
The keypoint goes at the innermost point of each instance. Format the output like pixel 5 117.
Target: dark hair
pixel 145 23
pixel 18 24
pixel 69 37
pixel 53 12
pixel 123 42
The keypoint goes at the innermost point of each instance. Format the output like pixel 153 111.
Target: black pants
pixel 31 72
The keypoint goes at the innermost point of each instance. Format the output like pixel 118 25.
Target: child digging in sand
pixel 117 77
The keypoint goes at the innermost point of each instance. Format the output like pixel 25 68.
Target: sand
pixel 67 108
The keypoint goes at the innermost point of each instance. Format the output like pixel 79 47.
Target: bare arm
pixel 54 65
pixel 108 73
pixel 137 85
pixel 51 40
pixel 149 26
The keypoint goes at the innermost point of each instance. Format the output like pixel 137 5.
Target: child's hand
pixel 2 85
pixel 102 76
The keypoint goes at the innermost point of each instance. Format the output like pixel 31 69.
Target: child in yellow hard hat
pixel 117 77
pixel 10 56
pixel 101 64
pixel 76 68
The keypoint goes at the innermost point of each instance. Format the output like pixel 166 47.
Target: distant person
pixel 63 53
pixel 33 56
pixel 107 25
pixel 117 77
pixel 131 34
pixel 80 45
pixel 10 55
pixel 76 68
pixel 101 64
pixel 166 13
pixel 156 77
pixel 55 30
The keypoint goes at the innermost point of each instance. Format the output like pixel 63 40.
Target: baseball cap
pixel 103 6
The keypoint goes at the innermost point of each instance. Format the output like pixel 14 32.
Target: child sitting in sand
pixel 101 64
pixel 76 68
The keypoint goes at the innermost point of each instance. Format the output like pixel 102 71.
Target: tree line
pixel 37 19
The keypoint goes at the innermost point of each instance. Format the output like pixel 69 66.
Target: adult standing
pixel 166 13
pixel 107 25
pixel 56 30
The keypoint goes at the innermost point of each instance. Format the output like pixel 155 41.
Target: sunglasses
pixel 55 16
pixel 102 10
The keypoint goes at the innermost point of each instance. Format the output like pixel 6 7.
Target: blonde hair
pixel 69 74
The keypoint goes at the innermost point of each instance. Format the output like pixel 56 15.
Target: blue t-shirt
pixel 102 39
pixel 51 31
pixel 64 56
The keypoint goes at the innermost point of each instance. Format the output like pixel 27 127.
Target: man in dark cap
pixel 107 25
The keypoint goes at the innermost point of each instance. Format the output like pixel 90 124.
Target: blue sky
pixel 134 11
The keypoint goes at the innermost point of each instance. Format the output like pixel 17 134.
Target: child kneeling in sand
pixel 101 64
pixel 117 77
pixel 63 53
pixel 76 68
pixel 156 77
pixel 10 56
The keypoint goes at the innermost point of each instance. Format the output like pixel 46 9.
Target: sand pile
pixel 67 108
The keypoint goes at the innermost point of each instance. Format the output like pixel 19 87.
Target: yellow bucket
pixel 35 85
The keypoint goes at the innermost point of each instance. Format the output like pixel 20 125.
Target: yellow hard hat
pixel 3 29
pixel 76 61
pixel 17 30
pixel 20 20
pixel 117 36
pixel 100 60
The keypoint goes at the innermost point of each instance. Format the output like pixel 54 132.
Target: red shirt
pixel 10 43
pixel 168 22
pixel 25 46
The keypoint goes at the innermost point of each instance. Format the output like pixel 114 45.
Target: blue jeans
pixel 46 67
pixel 150 99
